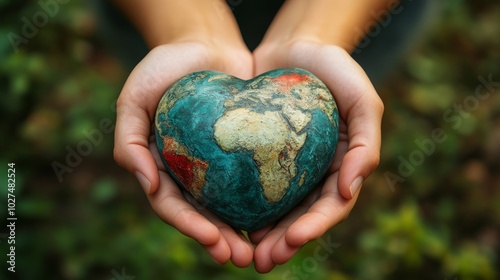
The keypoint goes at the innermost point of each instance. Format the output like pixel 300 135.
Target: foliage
pixel 441 222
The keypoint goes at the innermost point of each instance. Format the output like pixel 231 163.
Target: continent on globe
pixel 248 150
pixel 273 143
pixel 189 170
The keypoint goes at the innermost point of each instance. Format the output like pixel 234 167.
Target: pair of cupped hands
pixel 356 157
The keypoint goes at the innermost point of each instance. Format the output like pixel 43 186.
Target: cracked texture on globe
pixel 248 150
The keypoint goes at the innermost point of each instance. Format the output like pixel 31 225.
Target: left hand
pixel 135 145
pixel 356 157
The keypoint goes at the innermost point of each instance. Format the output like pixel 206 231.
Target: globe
pixel 249 151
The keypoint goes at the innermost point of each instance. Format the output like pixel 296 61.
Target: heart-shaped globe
pixel 251 150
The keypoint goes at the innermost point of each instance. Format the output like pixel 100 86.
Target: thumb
pixel 360 108
pixel 356 166
pixel 131 145
pixel 364 120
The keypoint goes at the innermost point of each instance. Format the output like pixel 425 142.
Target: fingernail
pixel 145 184
pixel 355 185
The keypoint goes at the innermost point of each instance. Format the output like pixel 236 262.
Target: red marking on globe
pixel 189 170
pixel 288 81
pixel 182 167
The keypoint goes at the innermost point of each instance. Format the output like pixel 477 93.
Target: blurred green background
pixel 436 218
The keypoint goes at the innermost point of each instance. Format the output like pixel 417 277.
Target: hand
pixel 357 155
pixel 136 151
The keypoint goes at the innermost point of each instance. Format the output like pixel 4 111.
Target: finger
pixel 135 113
pixel 131 149
pixel 173 209
pixel 156 155
pixel 364 119
pixel 329 210
pixel 283 251
pixel 262 256
pixel 219 251
pixel 257 236
pixel 266 258
pixel 263 260
pixel 240 248
pixel 341 149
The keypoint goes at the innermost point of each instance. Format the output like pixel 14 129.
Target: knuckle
pixel 375 161
pixel 120 101
pixel 345 216
pixel 377 103
pixel 380 104
pixel 117 155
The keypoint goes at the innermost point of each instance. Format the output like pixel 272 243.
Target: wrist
pixel 322 22
pixel 169 21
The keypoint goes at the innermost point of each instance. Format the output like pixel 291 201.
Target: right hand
pixel 135 147
pixel 357 155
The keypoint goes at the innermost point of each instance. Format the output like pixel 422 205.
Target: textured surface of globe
pixel 251 150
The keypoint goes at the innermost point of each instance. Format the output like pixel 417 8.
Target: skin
pixel 191 35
